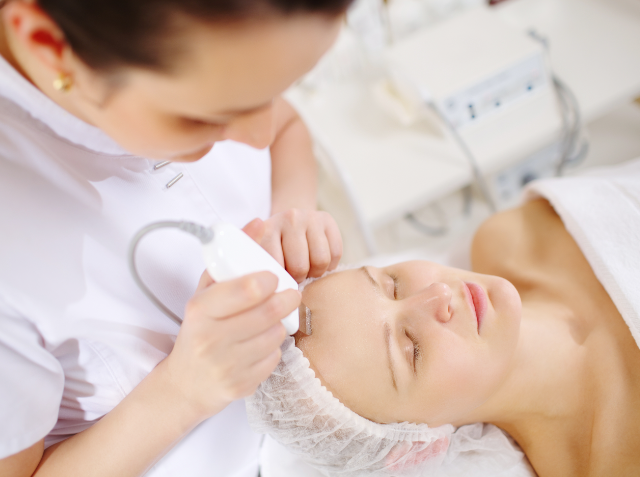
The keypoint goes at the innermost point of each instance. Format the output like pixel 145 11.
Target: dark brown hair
pixel 107 34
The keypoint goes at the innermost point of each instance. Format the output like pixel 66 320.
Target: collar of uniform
pixel 16 88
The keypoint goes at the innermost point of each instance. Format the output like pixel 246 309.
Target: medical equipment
pixel 471 66
pixel 228 253
pixel 464 70
pixel 306 313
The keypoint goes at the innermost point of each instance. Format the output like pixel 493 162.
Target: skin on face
pixel 414 324
pixel 223 89
pixel 224 83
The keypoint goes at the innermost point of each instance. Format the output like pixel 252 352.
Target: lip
pixel 477 300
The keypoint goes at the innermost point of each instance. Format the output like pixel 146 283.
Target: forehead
pixel 342 301
pixel 241 65
pixel 347 348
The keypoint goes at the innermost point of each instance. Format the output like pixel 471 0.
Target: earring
pixel 63 83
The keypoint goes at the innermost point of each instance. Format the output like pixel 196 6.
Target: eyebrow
pixel 387 339
pixel 387 333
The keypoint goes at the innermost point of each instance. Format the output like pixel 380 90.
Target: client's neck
pixel 549 371
pixel 542 400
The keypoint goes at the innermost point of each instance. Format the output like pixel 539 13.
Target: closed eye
pixel 395 285
pixel 201 123
pixel 417 352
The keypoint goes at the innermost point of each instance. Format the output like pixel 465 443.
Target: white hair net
pixel 294 408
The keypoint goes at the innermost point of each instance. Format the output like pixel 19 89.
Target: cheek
pixel 150 134
pixel 461 377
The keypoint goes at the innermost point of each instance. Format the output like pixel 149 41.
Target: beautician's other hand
pixel 305 242
pixel 229 341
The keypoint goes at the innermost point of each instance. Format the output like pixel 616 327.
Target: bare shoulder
pixel 516 239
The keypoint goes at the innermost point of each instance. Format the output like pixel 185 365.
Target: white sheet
pixel 601 211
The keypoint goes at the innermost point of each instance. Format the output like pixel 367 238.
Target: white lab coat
pixel 76 334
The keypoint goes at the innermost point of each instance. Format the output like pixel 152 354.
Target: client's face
pixel 414 341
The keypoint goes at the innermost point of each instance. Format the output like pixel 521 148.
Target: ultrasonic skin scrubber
pixel 228 253
pixel 232 254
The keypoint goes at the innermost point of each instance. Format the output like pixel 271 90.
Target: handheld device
pixel 228 253
pixel 232 253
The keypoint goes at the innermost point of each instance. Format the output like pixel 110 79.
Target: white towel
pixel 601 211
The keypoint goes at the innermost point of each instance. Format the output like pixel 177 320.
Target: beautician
pixel 115 114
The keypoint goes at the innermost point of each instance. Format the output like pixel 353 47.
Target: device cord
pixel 471 159
pixel 571 117
pixel 573 129
pixel 204 234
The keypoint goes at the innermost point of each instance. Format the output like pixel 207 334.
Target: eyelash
pixel 395 286
pixel 200 123
pixel 417 352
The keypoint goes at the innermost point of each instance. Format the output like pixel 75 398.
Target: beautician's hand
pixel 306 242
pixel 229 341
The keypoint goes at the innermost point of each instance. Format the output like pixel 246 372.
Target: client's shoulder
pixel 515 240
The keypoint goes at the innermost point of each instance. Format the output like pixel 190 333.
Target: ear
pixel 406 454
pixel 37 34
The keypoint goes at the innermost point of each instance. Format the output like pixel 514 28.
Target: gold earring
pixel 63 83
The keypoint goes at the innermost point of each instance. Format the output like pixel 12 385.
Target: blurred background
pixel 429 115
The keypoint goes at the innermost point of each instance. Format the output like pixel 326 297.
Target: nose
pixel 257 129
pixel 432 302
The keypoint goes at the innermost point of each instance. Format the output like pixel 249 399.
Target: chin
pixel 508 306
pixel 192 157
pixel 504 295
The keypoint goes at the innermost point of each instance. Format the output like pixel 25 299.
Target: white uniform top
pixel 76 334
